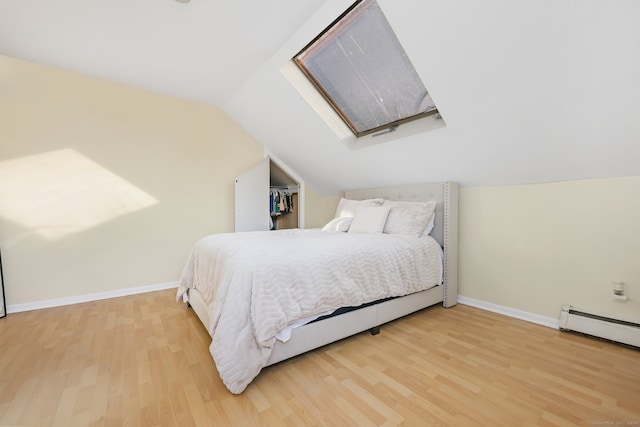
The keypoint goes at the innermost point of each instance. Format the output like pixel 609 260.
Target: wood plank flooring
pixel 144 361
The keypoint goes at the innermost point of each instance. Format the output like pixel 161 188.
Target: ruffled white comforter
pixel 257 283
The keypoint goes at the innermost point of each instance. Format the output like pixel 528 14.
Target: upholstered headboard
pixel 445 229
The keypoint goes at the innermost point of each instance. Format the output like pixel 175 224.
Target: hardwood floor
pixel 144 361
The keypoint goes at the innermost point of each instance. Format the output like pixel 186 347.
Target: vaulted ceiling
pixel 530 91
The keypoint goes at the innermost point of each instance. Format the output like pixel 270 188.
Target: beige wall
pixel 536 247
pixel 318 210
pixel 106 187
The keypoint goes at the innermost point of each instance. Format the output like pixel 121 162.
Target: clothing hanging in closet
pixel 280 201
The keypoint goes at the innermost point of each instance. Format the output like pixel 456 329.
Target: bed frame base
pixel 318 334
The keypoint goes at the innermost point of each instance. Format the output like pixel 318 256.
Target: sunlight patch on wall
pixel 61 192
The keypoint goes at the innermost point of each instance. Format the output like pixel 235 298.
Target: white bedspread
pixel 257 283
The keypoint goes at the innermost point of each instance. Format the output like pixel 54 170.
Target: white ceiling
pixel 202 50
pixel 531 91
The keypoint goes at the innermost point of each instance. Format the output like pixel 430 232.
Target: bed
pixel 245 327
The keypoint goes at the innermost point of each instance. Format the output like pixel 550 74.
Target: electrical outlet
pixel 619 291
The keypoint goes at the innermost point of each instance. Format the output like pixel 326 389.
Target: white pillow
pixel 369 219
pixel 409 218
pixel 347 207
pixel 429 228
pixel 338 224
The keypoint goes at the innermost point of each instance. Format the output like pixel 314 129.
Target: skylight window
pixel 359 66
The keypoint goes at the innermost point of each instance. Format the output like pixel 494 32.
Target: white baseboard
pixel 57 302
pixel 511 312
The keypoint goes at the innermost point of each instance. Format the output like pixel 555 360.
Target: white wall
pixel 531 91
pixel 536 247
pixel 105 187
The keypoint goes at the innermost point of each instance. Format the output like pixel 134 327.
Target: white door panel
pixel 252 198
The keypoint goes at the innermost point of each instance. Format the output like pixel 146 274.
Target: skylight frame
pixel 374 102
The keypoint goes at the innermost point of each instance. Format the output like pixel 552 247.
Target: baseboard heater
pixel 573 319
